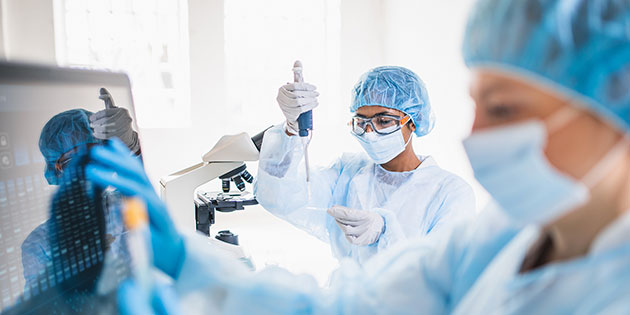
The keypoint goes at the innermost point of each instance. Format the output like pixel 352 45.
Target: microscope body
pixel 194 210
pixel 226 161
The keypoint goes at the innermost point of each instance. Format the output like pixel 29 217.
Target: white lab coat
pixel 425 202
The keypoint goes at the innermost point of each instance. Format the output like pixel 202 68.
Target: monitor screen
pixel 60 246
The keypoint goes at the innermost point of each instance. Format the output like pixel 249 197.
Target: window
pixel 146 39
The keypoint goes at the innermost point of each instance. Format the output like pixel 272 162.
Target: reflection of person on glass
pixel 59 140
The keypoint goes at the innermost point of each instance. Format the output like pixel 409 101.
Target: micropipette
pixel 305 123
pixel 107 98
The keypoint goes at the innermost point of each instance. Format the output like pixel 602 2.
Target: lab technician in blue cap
pixel 550 143
pixel 60 139
pixel 363 204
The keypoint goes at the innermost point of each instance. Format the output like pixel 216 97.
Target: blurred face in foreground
pixel 574 148
pixel 577 142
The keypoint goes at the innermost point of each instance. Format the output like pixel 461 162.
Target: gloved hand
pixel 115 122
pixel 294 99
pixel 132 300
pixel 113 165
pixel 361 227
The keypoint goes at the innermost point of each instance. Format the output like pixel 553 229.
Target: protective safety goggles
pixel 67 157
pixel 382 124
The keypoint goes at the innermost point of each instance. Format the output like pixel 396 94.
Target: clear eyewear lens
pixel 61 165
pixel 359 131
pixel 382 125
pixel 388 130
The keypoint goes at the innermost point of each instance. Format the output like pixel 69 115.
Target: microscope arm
pixel 228 154
pixel 178 189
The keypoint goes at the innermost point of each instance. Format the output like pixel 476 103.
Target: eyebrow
pixel 496 86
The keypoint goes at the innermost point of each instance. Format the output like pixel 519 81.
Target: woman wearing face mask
pixel 362 204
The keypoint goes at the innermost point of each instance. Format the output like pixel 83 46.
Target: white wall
pixel 28 30
pixel 2 30
pixel 363 36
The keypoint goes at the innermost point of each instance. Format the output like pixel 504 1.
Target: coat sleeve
pixel 414 278
pixel 35 255
pixel 281 186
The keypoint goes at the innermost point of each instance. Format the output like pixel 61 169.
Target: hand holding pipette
pixel 305 121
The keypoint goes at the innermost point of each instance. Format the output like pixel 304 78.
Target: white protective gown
pixel 473 272
pixel 425 201
pixel 599 282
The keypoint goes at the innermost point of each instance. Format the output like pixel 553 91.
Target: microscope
pixel 195 208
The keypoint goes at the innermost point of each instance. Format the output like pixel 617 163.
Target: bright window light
pixel 146 39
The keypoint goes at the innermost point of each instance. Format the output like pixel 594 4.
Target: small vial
pixel 139 242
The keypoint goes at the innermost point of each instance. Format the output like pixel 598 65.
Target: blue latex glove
pixel 114 165
pixel 132 300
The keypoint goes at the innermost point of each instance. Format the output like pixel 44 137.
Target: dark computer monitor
pixel 73 260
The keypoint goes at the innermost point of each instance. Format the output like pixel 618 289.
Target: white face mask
pixel 383 148
pixel 510 164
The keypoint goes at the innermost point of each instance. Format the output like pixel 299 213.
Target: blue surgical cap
pixel 62 133
pixel 397 88
pixel 580 48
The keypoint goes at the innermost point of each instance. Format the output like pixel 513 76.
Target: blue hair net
pixel 398 88
pixel 61 134
pixel 579 47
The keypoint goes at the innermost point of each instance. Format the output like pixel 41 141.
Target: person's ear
pixel 411 126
